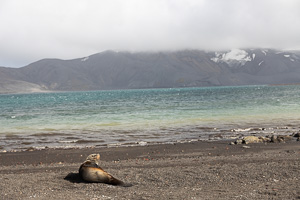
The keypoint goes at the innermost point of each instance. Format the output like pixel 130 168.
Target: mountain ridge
pixel 125 70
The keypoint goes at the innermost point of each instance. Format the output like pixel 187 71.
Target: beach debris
pixel 246 147
pixel 253 139
pixel 239 141
pixel 249 139
pixel 261 139
pixel 280 138
pixel 297 135
pixel 31 149
pixel 142 143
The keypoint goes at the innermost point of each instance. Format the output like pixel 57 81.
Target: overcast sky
pixel 35 29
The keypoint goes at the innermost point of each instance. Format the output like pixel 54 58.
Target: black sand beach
pixel 195 170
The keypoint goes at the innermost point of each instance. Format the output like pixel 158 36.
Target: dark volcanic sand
pixel 197 170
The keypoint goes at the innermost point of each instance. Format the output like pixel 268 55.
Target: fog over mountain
pixel 125 70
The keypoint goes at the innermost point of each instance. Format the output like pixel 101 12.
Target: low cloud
pixel 66 29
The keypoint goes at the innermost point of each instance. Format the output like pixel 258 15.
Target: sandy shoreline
pixel 195 170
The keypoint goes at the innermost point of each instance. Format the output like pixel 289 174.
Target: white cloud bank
pixel 36 29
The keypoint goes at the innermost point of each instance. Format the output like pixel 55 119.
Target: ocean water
pixel 137 117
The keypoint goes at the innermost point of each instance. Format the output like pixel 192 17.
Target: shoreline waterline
pixel 101 118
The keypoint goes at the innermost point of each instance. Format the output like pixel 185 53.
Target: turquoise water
pixel 150 115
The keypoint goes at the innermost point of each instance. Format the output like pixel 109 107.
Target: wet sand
pixel 195 170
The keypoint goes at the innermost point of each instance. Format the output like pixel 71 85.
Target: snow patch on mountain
pixel 233 58
pixel 260 63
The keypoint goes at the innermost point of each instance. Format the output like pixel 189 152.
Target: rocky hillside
pixel 124 70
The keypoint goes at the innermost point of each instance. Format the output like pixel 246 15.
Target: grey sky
pixel 66 29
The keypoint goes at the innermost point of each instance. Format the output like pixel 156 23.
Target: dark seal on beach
pixel 90 171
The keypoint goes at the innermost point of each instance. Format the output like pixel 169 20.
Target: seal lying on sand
pixel 91 172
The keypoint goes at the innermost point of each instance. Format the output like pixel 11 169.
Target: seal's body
pixel 91 172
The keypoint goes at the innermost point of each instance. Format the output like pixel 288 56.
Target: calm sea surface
pixel 128 117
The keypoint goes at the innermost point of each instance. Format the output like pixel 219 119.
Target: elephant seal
pixel 91 172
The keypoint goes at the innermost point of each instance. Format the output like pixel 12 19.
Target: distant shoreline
pixel 146 88
pixel 284 84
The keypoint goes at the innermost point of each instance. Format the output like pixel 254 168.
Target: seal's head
pixel 93 157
